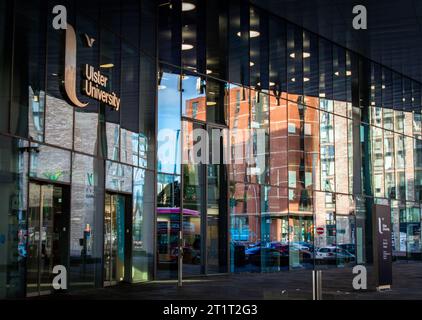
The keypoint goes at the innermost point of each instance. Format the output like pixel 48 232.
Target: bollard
pixel 317 285
pixel 180 258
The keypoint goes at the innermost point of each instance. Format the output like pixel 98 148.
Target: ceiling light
pixel 337 73
pixel 271 84
pixel 383 86
pixel 211 103
pixel 187 6
pixel 304 55
pixel 293 79
pixel 107 66
pixel 372 103
pixel 348 73
pixel 251 64
pixel 252 34
pixel 322 95
pixel 209 71
pixel 305 79
pixel 186 46
pixel 372 87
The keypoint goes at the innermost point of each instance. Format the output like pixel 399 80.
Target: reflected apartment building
pixel 106 193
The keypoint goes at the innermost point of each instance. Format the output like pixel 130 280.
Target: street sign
pixel 320 230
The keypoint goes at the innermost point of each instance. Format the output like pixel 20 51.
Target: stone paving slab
pixel 337 284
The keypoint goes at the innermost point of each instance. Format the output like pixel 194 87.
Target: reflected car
pixel 271 256
pixel 333 253
pixel 349 247
pixel 280 247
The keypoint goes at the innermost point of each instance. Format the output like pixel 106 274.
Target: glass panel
pixel 86 123
pixel 345 230
pixel 278 142
pixel 168 139
pixel 216 105
pixel 245 228
pixel 217 230
pixel 32 264
pixel 193 97
pixel 28 98
pixel 6 26
pixel 13 216
pixel 216 38
pixel 327 147
pixel 108 209
pixel 168 225
pixel 49 163
pixel 86 220
pixel 143 223
pixel 193 198
pixel 119 177
pixel 274 230
pixel 301 240
pixel 239 123
pixel 325 238
pixel 341 149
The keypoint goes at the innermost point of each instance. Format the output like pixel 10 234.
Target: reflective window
pixel 169 135
pixel 49 163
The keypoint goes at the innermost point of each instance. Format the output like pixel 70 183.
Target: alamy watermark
pixel 216 146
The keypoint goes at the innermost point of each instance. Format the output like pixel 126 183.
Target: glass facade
pixel 245 141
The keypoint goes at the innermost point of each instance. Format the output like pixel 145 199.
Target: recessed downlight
pixel 107 65
pixel 304 55
pixel 186 46
pixel 187 6
pixel 252 34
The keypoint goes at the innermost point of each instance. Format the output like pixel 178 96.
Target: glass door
pixel 48 224
pixel 114 238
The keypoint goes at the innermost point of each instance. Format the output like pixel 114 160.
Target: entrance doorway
pixel 117 238
pixel 48 235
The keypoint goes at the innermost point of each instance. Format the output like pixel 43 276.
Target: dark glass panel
pixel 170 31
pixel 239 34
pixel 295 57
pixel 325 69
pixel 28 102
pixel 216 105
pixel 310 64
pixel 147 114
pixel 87 125
pixel 216 38
pixel 5 62
pixel 277 56
pixel 339 73
pixel 13 215
pixel 58 112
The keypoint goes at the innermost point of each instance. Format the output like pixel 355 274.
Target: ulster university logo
pixel 94 83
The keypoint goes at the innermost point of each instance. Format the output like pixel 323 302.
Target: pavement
pixel 284 285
